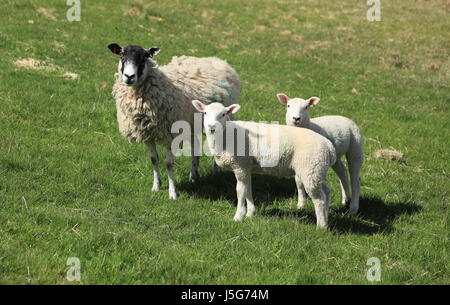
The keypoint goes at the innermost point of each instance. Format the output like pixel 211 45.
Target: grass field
pixel 72 186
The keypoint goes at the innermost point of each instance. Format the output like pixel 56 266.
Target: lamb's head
pixel 215 115
pixel 133 61
pixel 297 113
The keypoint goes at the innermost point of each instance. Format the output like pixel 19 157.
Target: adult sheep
pixel 149 99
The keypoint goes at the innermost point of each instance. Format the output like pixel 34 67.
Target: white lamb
pixel 277 149
pixel 342 132
pixel 149 99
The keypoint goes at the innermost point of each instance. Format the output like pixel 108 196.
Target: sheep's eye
pixel 289 106
pixel 306 107
pixel 223 115
pixel 204 112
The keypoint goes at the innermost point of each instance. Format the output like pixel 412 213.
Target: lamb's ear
pixel 232 109
pixel 115 48
pixel 153 51
pixel 313 101
pixel 198 105
pixel 283 98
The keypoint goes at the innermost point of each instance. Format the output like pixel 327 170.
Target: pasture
pixel 72 186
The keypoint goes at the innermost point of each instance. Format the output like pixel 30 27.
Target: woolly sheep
pixel 302 153
pixel 149 99
pixel 342 132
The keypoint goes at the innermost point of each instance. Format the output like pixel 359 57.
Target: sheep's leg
pixel 251 209
pixel 301 192
pixel 318 194
pixel 154 158
pixel 242 190
pixel 169 166
pixel 216 169
pixel 195 159
pixel 354 166
pixel 340 169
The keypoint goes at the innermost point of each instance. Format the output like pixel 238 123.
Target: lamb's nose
pixel 130 77
pixel 296 119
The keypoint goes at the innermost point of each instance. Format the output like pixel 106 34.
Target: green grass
pixel 71 186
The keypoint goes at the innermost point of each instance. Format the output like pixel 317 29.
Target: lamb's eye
pixel 306 107
pixel 289 106
pixel 223 115
pixel 204 112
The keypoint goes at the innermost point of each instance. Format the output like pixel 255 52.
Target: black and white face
pixel 132 61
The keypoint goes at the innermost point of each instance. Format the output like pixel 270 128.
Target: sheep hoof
pixel 345 201
pixel 173 195
pixel 250 212
pixel 156 188
pixel 353 210
pixel 238 217
pixel 301 204
pixel 193 177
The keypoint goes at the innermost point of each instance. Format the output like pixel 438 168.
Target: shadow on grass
pixel 223 186
pixel 374 216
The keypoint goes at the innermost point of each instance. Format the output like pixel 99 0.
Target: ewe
pixel 342 132
pixel 281 150
pixel 149 99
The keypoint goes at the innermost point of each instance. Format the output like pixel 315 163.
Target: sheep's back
pixel 208 79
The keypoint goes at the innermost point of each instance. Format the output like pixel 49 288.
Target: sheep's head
pixel 297 113
pixel 132 61
pixel 215 115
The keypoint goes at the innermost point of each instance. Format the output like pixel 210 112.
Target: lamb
pixel 149 99
pixel 302 153
pixel 342 132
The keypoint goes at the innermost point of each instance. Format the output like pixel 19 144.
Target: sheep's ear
pixel 115 48
pixel 153 51
pixel 232 109
pixel 283 98
pixel 313 101
pixel 198 105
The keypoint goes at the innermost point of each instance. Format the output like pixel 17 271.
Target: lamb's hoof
pixel 301 205
pixel 250 212
pixel 239 216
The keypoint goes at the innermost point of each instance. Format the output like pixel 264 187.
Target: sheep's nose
pixel 130 77
pixel 212 128
pixel 296 119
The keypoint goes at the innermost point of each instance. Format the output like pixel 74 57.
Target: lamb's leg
pixel 154 158
pixel 354 166
pixel 169 166
pixel 242 190
pixel 251 209
pixel 195 159
pixel 319 198
pixel 301 193
pixel 340 169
